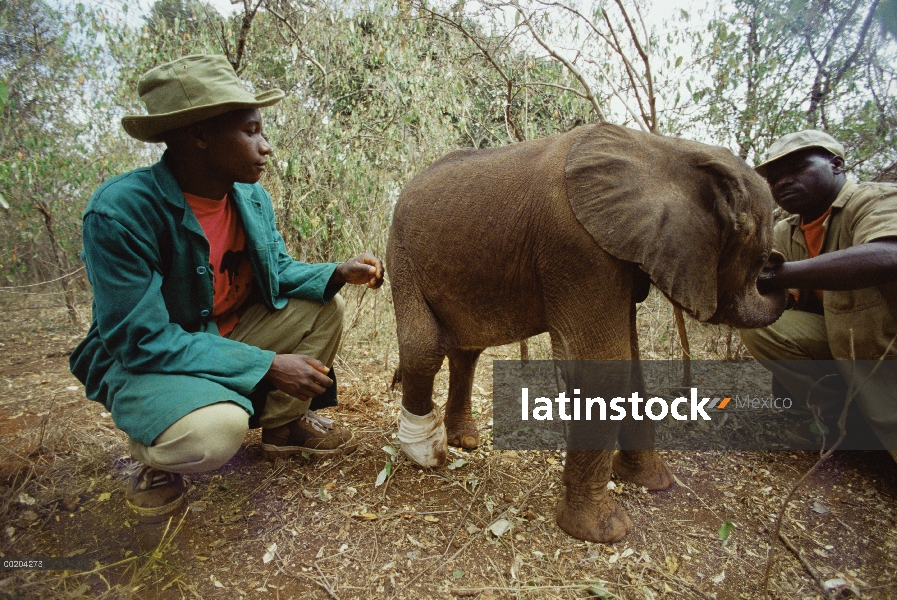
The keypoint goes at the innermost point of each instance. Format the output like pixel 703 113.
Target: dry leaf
pixel 500 527
pixel 269 553
pixel 672 564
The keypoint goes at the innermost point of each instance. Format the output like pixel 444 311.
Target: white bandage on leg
pixel 423 438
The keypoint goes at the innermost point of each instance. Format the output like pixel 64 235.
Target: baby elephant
pixel 563 234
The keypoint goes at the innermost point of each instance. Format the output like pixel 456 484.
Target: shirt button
pixel 203 313
pixel 201 270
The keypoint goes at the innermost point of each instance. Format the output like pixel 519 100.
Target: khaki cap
pixel 800 140
pixel 188 90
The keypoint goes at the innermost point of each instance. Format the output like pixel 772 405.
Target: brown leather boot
pixel 154 495
pixel 309 433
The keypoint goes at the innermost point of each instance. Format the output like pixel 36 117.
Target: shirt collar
pixel 845 194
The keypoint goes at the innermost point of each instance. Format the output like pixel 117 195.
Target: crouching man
pixel 840 264
pixel 202 323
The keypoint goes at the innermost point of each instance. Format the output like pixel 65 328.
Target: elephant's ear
pixel 658 202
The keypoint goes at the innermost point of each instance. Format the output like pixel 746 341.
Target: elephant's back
pixel 473 184
pixel 466 232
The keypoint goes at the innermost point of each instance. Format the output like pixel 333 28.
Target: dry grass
pixel 323 529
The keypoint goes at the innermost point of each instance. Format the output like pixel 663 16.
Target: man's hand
pixel 767 281
pixel 363 269
pixel 299 375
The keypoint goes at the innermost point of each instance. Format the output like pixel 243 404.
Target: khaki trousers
pixel 801 339
pixel 208 437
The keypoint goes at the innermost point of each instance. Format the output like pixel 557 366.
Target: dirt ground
pixel 483 529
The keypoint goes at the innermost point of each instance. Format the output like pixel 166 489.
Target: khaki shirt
pixel 861 213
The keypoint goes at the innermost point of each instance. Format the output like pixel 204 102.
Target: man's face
pixel 806 182
pixel 236 149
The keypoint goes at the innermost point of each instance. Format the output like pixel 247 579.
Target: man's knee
pixel 758 342
pixel 219 442
pixel 796 335
pixel 202 440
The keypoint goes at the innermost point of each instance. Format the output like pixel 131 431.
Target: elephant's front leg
pixel 638 462
pixel 460 426
pixel 588 511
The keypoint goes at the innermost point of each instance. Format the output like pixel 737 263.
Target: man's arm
pixel 303 376
pixel 857 267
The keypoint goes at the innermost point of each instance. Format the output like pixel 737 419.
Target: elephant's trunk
pixel 752 309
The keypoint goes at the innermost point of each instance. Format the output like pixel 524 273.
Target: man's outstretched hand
pixel 363 269
pixel 853 268
pixel 299 375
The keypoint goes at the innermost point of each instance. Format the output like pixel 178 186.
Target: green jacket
pixel 148 262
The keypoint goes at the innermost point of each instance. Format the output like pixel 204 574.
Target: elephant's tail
pixel 396 378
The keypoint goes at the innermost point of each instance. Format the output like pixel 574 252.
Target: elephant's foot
pixel 596 519
pixel 643 468
pixel 462 433
pixel 423 437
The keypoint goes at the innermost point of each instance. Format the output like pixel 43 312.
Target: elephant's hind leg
pixel 460 426
pixel 588 510
pixel 421 426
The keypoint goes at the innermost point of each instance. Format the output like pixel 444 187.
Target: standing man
pixel 840 265
pixel 202 323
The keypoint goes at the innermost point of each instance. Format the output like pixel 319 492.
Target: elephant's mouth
pixel 750 310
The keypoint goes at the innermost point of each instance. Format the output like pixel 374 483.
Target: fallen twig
pixel 803 559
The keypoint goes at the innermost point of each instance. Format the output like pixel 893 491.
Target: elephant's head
pixel 694 217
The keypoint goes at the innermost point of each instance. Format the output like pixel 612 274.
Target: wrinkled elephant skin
pixel 562 234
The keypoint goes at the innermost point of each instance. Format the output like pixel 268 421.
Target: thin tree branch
pixel 867 23
pixel 644 55
pixel 510 124
pixel 300 43
pixel 564 61
pixel 248 16
pixel 554 85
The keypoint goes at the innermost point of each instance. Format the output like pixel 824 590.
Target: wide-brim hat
pixel 799 140
pixel 188 90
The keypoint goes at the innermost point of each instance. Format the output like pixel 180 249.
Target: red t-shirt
pixel 227 254
pixel 814 234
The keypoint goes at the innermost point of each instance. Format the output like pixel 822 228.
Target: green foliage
pixel 374 95
pixel 376 90
pixel 54 140
pixel 778 67
pixel 726 530
pixel 887 15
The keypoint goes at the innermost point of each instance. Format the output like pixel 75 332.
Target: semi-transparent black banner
pixel 723 405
